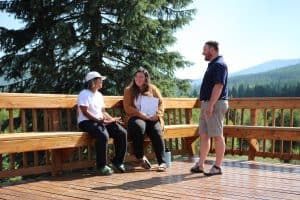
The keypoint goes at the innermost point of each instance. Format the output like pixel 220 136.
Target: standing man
pixel 214 105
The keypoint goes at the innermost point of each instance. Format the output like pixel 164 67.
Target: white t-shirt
pixel 137 102
pixel 94 102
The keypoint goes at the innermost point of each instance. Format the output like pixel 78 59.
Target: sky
pixel 249 33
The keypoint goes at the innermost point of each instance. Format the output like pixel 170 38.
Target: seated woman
pixel 93 119
pixel 140 123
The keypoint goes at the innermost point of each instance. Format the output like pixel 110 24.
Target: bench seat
pixel 35 141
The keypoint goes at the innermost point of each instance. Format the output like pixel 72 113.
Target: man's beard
pixel 208 57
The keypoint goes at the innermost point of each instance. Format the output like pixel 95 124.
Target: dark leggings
pixel 102 133
pixel 137 129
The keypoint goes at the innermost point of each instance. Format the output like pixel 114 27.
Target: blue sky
pixel 250 32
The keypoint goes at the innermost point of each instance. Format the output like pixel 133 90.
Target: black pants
pixel 137 129
pixel 102 133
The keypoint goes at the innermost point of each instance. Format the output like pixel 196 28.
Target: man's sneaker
pixel 119 167
pixel 144 162
pixel 214 171
pixel 162 167
pixel 196 169
pixel 106 170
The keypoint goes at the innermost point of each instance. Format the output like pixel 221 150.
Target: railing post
pixel 190 146
pixel 56 155
pixel 253 143
pixel 1 162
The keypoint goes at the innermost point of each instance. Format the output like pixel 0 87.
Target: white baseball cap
pixel 92 75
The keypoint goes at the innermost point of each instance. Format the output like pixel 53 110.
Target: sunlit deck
pixel 241 180
pixel 41 137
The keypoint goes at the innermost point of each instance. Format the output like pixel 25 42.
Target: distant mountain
pixel 289 74
pixel 267 66
pixel 261 68
pixel 196 82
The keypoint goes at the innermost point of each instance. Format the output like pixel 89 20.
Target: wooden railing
pixel 267 127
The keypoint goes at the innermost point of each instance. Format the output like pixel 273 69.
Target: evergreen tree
pixel 241 91
pixel 233 92
pixel 62 40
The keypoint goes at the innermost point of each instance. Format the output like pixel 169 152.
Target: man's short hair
pixel 213 44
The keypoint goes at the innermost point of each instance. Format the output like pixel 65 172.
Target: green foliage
pixel 3 116
pixel 283 82
pixel 284 75
pixel 62 40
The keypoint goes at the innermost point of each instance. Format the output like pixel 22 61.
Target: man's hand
pixel 209 110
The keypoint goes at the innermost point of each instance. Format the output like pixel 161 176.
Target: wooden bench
pixel 53 128
pixel 42 136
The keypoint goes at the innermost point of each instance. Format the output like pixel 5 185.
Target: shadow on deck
pixel 241 180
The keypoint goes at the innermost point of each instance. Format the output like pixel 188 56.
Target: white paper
pixel 149 105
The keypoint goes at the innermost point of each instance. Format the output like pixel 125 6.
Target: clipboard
pixel 149 105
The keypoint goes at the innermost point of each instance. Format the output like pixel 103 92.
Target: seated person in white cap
pixel 93 119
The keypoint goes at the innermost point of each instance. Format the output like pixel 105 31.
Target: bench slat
pixel 35 141
pixel 56 141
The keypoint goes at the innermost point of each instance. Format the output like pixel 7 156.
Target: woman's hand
pixel 143 116
pixel 154 118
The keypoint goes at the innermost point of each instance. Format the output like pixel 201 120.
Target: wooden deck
pixel 241 180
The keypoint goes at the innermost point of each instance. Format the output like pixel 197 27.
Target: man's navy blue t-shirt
pixel 216 72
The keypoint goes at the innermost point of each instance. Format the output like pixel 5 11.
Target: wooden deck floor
pixel 241 180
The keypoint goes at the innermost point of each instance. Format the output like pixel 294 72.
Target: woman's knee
pixel 136 125
pixel 157 130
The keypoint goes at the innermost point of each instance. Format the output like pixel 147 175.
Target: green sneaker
pixel 119 167
pixel 106 170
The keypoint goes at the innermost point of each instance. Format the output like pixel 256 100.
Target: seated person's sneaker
pixel 162 167
pixel 197 169
pixel 119 167
pixel 144 162
pixel 214 171
pixel 105 170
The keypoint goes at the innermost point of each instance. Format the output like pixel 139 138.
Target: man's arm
pixel 216 92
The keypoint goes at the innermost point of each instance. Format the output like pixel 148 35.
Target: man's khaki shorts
pixel 213 125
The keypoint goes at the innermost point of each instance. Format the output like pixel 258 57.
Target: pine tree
pixel 62 40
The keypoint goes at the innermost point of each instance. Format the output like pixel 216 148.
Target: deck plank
pixel 241 180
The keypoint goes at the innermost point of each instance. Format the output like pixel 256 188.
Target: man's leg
pixel 204 149
pixel 220 150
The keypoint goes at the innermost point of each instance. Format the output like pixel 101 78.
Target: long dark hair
pixel 135 89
